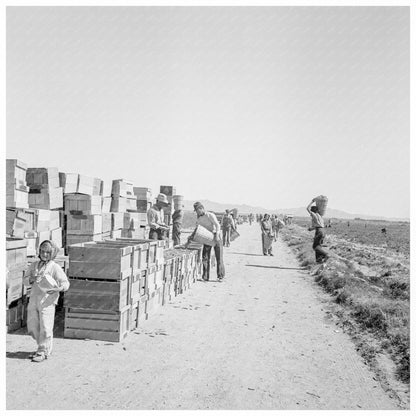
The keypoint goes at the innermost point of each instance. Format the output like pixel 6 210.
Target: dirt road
pixel 258 340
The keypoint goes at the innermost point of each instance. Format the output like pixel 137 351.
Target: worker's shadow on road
pixel 246 254
pixel 276 267
pixel 19 355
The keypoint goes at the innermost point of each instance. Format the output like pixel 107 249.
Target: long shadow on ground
pixel 276 267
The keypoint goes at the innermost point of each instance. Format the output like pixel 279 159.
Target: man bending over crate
pixel 209 221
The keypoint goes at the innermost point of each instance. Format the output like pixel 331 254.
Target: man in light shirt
pixel 209 221
pixel 321 255
pixel 158 228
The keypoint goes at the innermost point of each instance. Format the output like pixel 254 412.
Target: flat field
pixel 368 274
pixel 396 237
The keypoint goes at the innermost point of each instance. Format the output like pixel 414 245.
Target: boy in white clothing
pixel 47 279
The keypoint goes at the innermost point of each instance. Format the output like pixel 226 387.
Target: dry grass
pixel 372 288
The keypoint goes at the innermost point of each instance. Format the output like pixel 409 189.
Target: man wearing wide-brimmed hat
pixel 155 218
pixel 209 221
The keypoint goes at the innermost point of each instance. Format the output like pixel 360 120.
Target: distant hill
pixel 297 212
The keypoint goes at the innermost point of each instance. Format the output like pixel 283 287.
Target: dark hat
pixel 198 205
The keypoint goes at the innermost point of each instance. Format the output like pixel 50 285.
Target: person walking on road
pixel 267 235
pixel 227 225
pixel 158 228
pixel 47 279
pixel 318 225
pixel 277 224
pixel 209 221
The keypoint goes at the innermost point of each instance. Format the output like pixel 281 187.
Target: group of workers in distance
pixel 47 278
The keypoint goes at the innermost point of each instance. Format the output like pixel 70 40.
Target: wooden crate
pixel 144 194
pixel 156 248
pixel 153 303
pixel 84 224
pixel 17 199
pixel 49 199
pixel 86 185
pixel 137 313
pixel 78 204
pixel 15 251
pixel 140 233
pixel 14 316
pixel 105 189
pixel 106 221
pixel 121 187
pixel 117 220
pixel 95 260
pixel 118 204
pixel 106 204
pixel 46 220
pixel 14 281
pixel 72 239
pixel 168 270
pixel 131 205
pixel 56 236
pixel 97 187
pixel 138 285
pixel 96 324
pixel 169 191
pixel 98 294
pixel 142 206
pixel 139 251
pixel 43 176
pixel 16 172
pixel 69 182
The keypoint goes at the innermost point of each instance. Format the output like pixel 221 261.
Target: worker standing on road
pixel 158 228
pixel 318 225
pixel 227 225
pixel 47 279
pixel 177 218
pixel 277 224
pixel 266 235
pixel 209 221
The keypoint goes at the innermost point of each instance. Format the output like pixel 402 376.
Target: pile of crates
pixel 70 208
pixel 15 296
pixel 117 283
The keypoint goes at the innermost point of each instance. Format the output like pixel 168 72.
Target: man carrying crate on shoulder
pixel 209 221
pixel 318 225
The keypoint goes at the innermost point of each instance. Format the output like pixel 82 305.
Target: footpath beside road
pixel 259 340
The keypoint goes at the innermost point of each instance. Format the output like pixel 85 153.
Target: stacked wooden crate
pixel 143 198
pixel 123 198
pixel 46 200
pixel 143 256
pixel 135 225
pixel 16 265
pixel 97 304
pixel 44 192
pixel 83 206
pixel 117 223
pixel 16 186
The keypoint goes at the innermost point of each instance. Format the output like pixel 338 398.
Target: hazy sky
pixel 268 106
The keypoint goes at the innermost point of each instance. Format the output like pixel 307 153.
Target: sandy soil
pixel 259 340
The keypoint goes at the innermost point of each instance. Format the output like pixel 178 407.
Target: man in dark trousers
pixel 318 225
pixel 227 224
pixel 177 218
pixel 209 221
